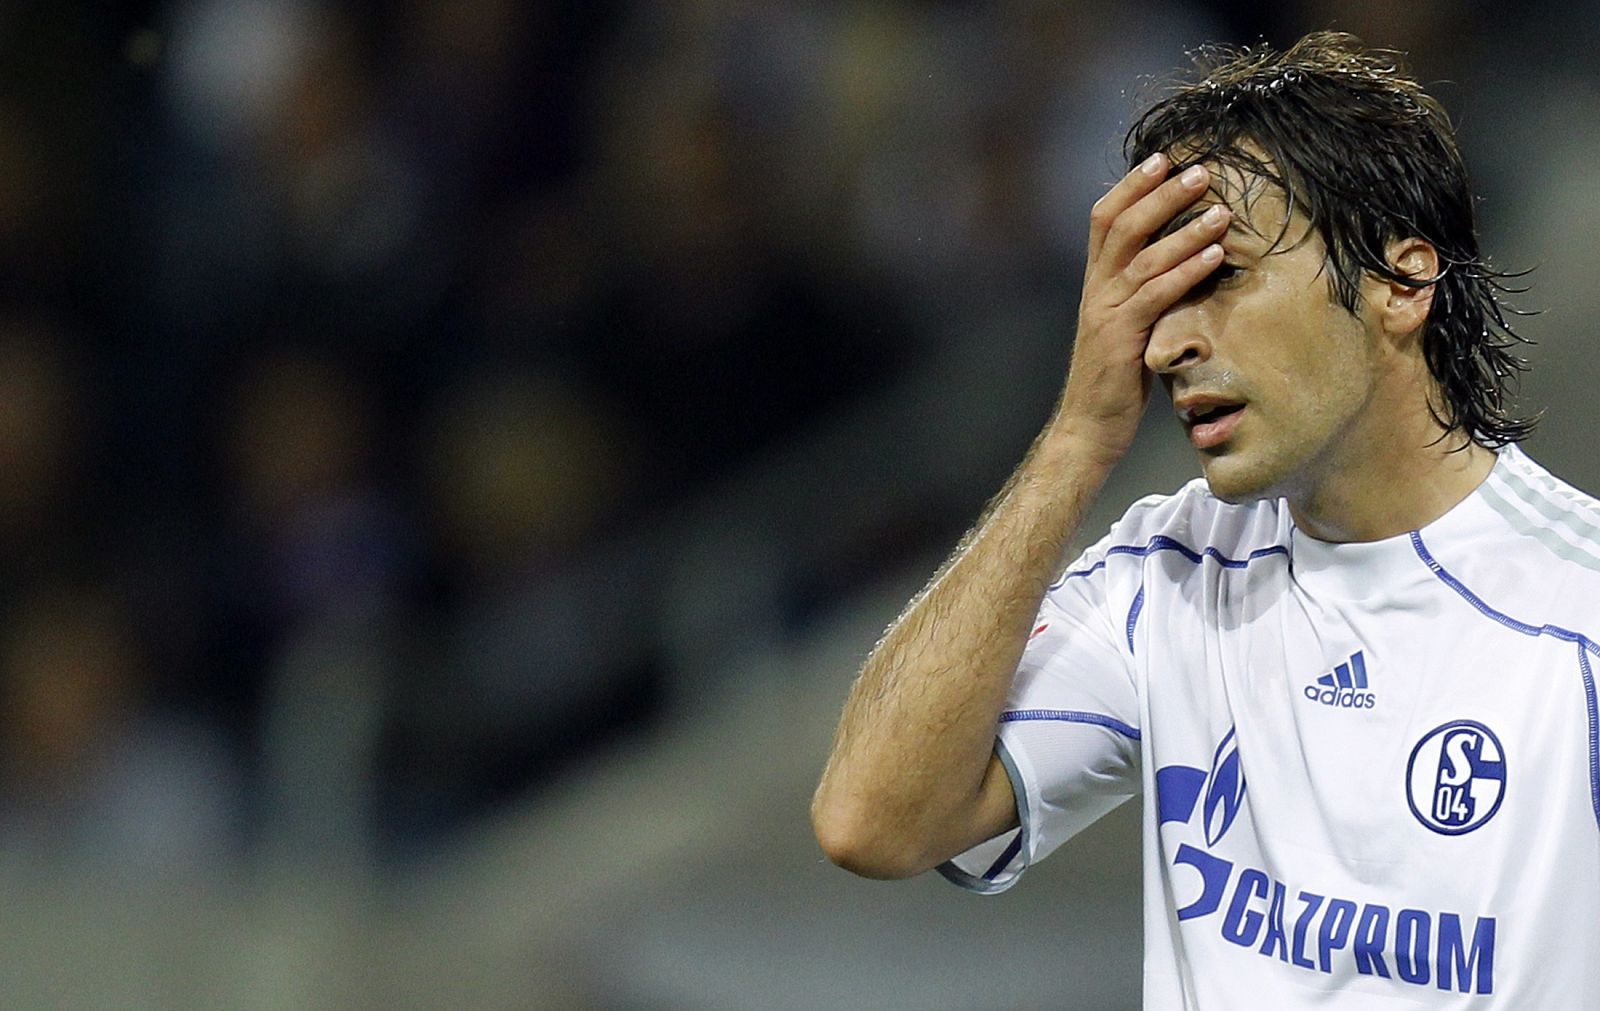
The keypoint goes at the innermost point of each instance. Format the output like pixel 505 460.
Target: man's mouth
pixel 1210 420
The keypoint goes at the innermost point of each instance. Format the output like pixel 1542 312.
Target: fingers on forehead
pixel 1240 173
pixel 1259 191
pixel 1260 204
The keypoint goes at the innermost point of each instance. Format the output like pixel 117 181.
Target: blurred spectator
pixel 43 425
pixel 521 473
pixel 90 775
pixel 320 570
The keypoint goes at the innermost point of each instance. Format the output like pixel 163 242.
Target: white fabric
pixel 1426 839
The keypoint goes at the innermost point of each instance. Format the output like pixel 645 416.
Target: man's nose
pixel 1177 340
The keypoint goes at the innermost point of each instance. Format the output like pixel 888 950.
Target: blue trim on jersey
pixel 1072 716
pixel 1584 643
pixel 1161 542
pixel 1594 730
pixel 1133 614
pixel 986 885
pixel 1004 859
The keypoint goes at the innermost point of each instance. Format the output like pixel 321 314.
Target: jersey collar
pixel 1367 569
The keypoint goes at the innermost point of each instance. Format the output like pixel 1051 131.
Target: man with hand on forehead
pixel 1350 670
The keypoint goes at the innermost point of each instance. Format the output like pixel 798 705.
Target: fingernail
pixel 1152 164
pixel 1214 215
pixel 1211 254
pixel 1192 175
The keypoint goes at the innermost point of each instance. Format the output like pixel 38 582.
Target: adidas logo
pixel 1346 687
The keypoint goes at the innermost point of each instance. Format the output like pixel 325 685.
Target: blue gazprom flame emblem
pixel 1224 790
pixel 1219 797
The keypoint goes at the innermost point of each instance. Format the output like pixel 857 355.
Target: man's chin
pixel 1233 480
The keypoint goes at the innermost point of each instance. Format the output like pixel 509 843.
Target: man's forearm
pixel 911 779
pixel 902 787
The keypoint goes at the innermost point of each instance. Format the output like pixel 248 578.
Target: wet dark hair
pixel 1355 144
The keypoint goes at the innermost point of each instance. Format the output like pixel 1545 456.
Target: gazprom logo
pixel 1313 929
pixel 1224 789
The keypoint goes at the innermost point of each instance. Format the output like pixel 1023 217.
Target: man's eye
pixel 1225 276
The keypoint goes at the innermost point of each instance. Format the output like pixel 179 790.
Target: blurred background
pixel 454 458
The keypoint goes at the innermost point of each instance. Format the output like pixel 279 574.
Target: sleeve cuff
pixel 992 867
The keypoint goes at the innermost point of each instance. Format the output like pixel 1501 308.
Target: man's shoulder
pixel 1527 553
pixel 1545 520
pixel 1192 519
pixel 1522 482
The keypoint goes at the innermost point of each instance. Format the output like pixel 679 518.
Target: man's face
pixel 1274 380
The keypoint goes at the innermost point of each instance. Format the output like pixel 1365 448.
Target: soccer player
pixel 1351 669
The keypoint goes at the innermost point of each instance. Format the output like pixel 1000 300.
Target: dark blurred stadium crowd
pixel 334 337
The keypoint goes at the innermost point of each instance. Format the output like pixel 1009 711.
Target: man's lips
pixel 1209 418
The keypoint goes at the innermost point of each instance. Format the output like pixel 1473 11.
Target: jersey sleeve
pixel 1069 735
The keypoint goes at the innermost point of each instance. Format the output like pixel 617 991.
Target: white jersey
pixel 1371 772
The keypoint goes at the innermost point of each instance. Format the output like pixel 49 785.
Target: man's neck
pixel 1394 490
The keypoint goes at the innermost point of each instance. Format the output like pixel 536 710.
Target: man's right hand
pixel 1128 283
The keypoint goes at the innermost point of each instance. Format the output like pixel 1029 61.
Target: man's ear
pixel 1404 308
